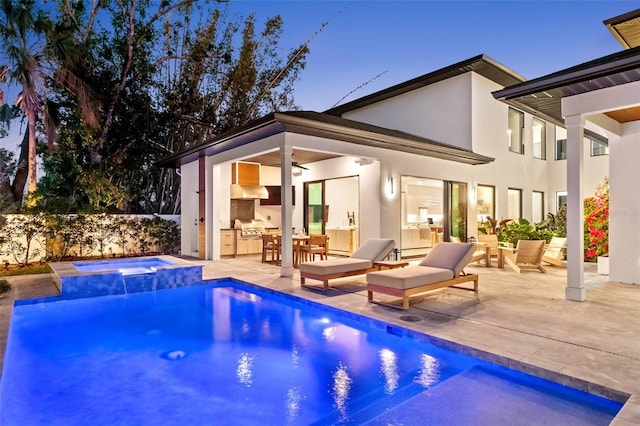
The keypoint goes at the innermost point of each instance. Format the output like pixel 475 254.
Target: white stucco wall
pixel 441 111
pixel 624 206
pixel 189 209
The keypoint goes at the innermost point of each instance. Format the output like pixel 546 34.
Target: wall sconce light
pixel 390 185
pixel 363 161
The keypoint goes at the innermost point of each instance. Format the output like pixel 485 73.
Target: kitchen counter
pixel 342 239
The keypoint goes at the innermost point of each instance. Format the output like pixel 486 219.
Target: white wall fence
pixel 15 232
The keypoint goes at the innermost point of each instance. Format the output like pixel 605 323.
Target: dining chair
pixel 271 243
pixel 318 244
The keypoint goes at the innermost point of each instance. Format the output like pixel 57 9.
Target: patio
pixel 519 320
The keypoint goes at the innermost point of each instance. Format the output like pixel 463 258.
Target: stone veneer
pixel 74 284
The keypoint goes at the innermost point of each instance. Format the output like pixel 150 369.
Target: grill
pixel 252 228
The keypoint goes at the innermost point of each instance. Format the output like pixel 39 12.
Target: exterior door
pixel 315 211
pixel 456 205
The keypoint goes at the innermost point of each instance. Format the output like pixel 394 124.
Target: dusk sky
pixel 406 39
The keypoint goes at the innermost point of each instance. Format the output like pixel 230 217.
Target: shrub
pixel 558 222
pixel 522 229
pixel 596 223
pixel 4 286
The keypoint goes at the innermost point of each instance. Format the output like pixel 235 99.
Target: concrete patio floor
pixel 519 320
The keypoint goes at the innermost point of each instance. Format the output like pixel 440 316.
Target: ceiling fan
pixel 295 164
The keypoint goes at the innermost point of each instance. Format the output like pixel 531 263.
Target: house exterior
pixel 481 155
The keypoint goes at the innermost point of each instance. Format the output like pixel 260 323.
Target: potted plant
pixel 522 229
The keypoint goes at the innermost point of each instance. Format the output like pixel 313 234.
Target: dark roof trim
pixel 596 137
pixel 481 64
pixel 622 18
pixel 601 67
pixel 324 125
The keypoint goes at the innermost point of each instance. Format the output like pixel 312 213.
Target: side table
pixel 390 264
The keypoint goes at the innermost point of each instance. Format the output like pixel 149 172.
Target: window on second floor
pixel 561 149
pixel 516 131
pixel 599 148
pixel 539 141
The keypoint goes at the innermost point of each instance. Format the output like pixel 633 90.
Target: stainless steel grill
pixel 250 228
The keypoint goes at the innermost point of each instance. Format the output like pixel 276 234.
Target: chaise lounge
pixel 360 262
pixel 442 267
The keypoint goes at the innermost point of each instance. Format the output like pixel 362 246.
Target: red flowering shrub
pixel 596 223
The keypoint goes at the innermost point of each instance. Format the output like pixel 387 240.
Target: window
pixel 486 196
pixel 599 144
pixel 516 131
pixel 539 141
pixel 537 206
pixel 561 143
pixel 561 149
pixel 514 203
pixel 561 199
pixel 599 148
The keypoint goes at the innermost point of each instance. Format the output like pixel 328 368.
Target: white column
pixel 211 238
pixel 286 151
pixel 624 205
pixel 575 209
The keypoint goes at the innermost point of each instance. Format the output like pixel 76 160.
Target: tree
pixel 38 49
pixel 161 82
pixel 22 29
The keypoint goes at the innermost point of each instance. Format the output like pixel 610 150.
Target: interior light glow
pixel 341 387
pixel 389 369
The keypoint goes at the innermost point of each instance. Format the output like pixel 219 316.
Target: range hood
pixel 248 192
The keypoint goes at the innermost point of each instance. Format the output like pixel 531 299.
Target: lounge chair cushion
pixel 373 249
pixel 335 266
pixel 411 277
pixel 451 256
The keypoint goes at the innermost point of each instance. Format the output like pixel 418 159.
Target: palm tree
pixel 22 35
pixel 36 48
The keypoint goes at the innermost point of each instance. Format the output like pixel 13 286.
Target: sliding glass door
pixel 457 200
pixel 315 211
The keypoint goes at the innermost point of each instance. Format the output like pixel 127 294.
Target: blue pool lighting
pixel 226 352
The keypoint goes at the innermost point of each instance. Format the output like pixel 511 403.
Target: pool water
pixel 226 353
pixel 125 266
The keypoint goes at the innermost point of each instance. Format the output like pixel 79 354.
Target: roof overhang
pixel 325 126
pixel 625 28
pixel 481 64
pixel 542 96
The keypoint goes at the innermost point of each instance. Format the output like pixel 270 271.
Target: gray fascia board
pixel 370 138
pixel 544 84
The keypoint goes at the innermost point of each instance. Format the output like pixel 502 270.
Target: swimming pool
pixel 228 353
